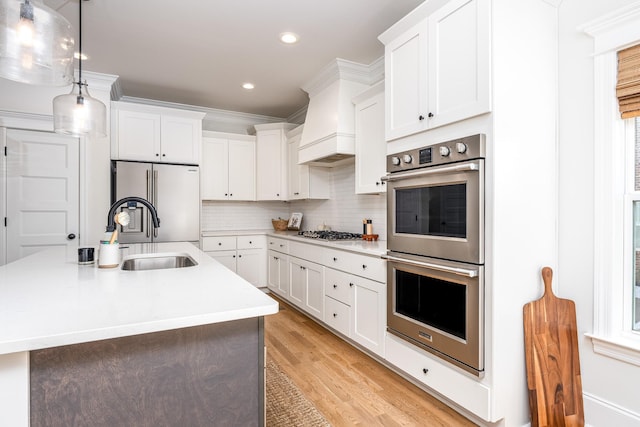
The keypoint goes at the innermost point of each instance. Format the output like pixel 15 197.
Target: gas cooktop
pixel 330 235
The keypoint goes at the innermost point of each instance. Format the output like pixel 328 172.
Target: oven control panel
pixel 457 150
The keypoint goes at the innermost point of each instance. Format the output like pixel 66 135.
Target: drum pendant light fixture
pixel 36 44
pixel 78 113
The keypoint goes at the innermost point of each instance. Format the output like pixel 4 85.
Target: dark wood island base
pixel 210 375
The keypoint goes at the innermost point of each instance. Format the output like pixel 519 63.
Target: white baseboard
pixel 601 413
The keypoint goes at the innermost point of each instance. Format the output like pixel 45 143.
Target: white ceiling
pixel 199 52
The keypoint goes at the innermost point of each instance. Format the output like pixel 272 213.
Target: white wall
pixel 610 387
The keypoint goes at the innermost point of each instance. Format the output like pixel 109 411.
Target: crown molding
pixel 339 69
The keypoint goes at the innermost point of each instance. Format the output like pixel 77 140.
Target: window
pixel 633 194
pixel 616 328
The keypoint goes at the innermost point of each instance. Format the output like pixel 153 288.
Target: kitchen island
pixel 78 339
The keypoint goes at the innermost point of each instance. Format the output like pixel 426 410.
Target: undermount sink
pixel 158 262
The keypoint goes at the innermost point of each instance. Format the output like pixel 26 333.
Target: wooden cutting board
pixel 553 364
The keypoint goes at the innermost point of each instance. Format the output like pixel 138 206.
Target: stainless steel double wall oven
pixel 435 240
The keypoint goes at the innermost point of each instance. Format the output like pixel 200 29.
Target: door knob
pixel 71 236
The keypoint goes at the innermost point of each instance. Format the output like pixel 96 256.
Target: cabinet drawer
pixel 362 265
pixel 218 243
pixel 310 252
pixel 469 393
pixel 254 241
pixel 277 244
pixel 337 315
pixel 337 285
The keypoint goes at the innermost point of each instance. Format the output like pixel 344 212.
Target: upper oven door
pixel 438 212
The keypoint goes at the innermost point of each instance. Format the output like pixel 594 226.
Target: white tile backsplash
pixel 344 211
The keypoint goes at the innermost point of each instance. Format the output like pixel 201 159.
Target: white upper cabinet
pixel 155 134
pixel 227 169
pixel 438 70
pixel 371 147
pixel 406 83
pixel 305 182
pixel 271 166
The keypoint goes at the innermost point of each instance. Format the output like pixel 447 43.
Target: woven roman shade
pixel 628 87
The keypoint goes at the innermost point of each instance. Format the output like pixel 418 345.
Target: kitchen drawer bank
pixel 344 289
pixel 62 320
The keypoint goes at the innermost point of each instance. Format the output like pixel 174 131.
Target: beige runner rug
pixel 286 405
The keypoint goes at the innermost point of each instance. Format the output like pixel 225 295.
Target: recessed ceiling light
pixel 248 86
pixel 289 38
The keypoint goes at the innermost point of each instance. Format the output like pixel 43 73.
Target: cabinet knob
pixel 233 256
pixel 425 370
pixel 250 242
pixel 430 114
pixel 226 194
pixel 278 194
pixel 335 314
pixel 164 155
pixel 420 117
pixel 157 154
pixel 230 194
pixel 219 243
pixel 239 256
pixel 335 259
pixel 351 285
pixel 71 236
pixel 364 266
pixel 377 183
pixel 335 286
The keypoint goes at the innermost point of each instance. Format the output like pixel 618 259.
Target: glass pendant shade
pixel 78 113
pixel 36 44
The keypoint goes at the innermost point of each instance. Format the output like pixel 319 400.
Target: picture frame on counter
pixel 295 221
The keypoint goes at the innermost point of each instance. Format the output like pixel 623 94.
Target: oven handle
pixel 431 171
pixel 458 271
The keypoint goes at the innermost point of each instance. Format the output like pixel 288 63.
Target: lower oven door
pixel 438 306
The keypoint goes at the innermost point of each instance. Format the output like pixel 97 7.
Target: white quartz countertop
pixel 48 300
pixel 376 248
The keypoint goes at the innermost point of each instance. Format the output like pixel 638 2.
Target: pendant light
pixel 78 113
pixel 36 44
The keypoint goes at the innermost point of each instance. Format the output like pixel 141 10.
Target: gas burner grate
pixel 330 235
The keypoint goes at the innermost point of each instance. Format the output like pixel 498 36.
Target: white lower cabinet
pixel 244 255
pixel 278 266
pixel 278 281
pixel 369 315
pixel 467 392
pixel 362 302
pixel 307 286
pixel 345 290
pixel 337 315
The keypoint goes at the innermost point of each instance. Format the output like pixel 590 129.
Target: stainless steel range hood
pixel 328 137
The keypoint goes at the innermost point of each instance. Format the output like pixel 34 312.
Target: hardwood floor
pixel 347 386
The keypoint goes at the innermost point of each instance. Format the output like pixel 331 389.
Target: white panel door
pixel 42 191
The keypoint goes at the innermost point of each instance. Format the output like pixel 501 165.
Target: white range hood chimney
pixel 328 136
